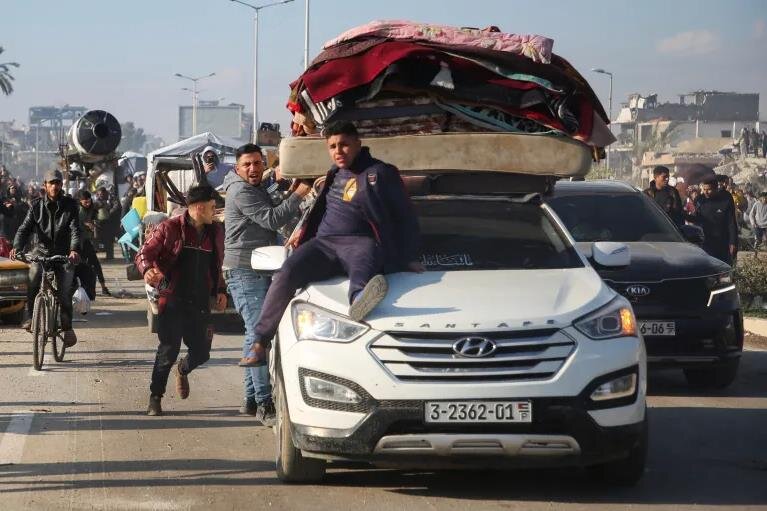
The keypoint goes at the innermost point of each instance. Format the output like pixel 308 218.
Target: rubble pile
pixel 403 78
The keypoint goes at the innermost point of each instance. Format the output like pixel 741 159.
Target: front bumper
pixel 562 433
pixel 707 336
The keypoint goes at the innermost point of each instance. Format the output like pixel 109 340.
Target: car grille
pixel 677 293
pixel 525 355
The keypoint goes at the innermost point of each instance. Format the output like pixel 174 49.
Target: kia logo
pixel 474 347
pixel 637 290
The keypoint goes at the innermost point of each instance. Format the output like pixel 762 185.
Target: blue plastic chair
pixel 131 222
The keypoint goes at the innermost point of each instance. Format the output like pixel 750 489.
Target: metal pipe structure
pixel 256 9
pixel 610 114
pixel 194 96
pixel 306 35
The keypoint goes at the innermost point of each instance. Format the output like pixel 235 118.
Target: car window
pixel 623 217
pixel 467 234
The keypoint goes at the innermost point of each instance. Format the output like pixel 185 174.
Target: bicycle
pixel 45 312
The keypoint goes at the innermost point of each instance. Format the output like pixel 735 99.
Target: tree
pixel 5 75
pixel 133 138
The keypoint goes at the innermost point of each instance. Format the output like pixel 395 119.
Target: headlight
pixel 720 281
pixel 317 388
pixel 616 319
pixel 313 323
pixel 622 386
pixel 16 279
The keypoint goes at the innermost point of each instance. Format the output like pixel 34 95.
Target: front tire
pixel 39 329
pixel 55 334
pixel 714 377
pixel 291 465
pixel 629 470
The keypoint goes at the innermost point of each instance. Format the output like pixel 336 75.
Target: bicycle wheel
pixel 39 327
pixel 56 337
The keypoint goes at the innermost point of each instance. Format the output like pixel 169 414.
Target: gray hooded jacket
pixel 251 219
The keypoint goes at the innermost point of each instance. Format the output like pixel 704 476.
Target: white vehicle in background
pixel 509 351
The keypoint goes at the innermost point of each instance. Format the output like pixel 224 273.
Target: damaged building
pixel 699 129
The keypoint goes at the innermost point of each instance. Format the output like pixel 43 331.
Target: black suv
pixel 685 300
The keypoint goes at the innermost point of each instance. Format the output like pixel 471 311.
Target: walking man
pixel 182 259
pixel 666 196
pixel 714 214
pixel 758 218
pixel 54 220
pixel 361 225
pixel 251 221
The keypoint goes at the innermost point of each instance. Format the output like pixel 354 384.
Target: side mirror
pixel 692 233
pixel 268 258
pixel 611 254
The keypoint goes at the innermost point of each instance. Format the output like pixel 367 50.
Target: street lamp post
pixel 306 35
pixel 610 101
pixel 256 9
pixel 194 96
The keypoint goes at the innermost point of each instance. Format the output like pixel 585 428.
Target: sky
pixel 121 56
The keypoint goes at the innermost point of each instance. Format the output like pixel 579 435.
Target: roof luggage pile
pixel 397 78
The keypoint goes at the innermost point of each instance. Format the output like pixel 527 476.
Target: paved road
pixel 75 437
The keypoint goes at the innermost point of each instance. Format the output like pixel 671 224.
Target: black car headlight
pixel 720 281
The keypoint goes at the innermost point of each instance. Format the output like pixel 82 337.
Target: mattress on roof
pixel 543 155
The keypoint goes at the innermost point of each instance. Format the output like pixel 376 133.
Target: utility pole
pixel 610 114
pixel 194 96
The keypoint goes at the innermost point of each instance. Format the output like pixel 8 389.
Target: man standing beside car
pixel 758 219
pixel 182 259
pixel 714 214
pixel 666 196
pixel 251 221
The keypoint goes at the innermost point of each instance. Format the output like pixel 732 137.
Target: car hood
pixel 468 301
pixel 655 261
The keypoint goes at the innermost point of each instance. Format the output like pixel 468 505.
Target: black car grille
pixel 678 294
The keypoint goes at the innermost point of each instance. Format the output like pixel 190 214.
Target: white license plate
pixel 478 411
pixel 657 328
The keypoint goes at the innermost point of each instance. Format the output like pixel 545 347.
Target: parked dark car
pixel 685 301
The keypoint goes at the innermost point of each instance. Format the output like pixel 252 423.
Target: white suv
pixel 509 351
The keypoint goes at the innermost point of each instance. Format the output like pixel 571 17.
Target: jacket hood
pixel 209 148
pixel 232 179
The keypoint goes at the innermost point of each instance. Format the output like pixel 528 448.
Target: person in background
pixel 758 218
pixel 666 196
pixel 107 222
pixel 714 214
pixel 252 219
pixel 88 214
pixel 215 170
pixel 182 259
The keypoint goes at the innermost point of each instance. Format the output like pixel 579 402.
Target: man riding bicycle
pixel 54 221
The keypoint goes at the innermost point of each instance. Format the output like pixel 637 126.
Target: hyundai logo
pixel 637 290
pixel 474 347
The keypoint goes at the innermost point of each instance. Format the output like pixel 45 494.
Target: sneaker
pixel 27 325
pixel 70 339
pixel 367 299
pixel 256 356
pixel 155 406
pixel 182 382
pixel 266 413
pixel 249 407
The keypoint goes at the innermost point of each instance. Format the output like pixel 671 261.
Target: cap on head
pixel 201 193
pixel 53 175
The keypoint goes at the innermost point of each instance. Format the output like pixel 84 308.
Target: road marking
pixel 12 443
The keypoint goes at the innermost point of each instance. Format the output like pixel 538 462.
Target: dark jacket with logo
pixel 56 225
pixel 163 247
pixel 386 207
pixel 668 198
pixel 714 215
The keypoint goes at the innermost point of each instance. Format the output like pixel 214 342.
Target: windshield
pixel 623 217
pixel 476 234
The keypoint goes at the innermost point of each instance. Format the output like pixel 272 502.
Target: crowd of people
pixel 753 142
pixel 721 208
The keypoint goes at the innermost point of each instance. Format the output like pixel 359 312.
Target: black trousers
pixel 179 323
pixel 64 277
pixel 318 259
pixel 92 260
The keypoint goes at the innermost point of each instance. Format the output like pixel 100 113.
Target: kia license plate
pixel 478 411
pixel 657 328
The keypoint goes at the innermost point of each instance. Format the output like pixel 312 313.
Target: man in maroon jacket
pixel 182 259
